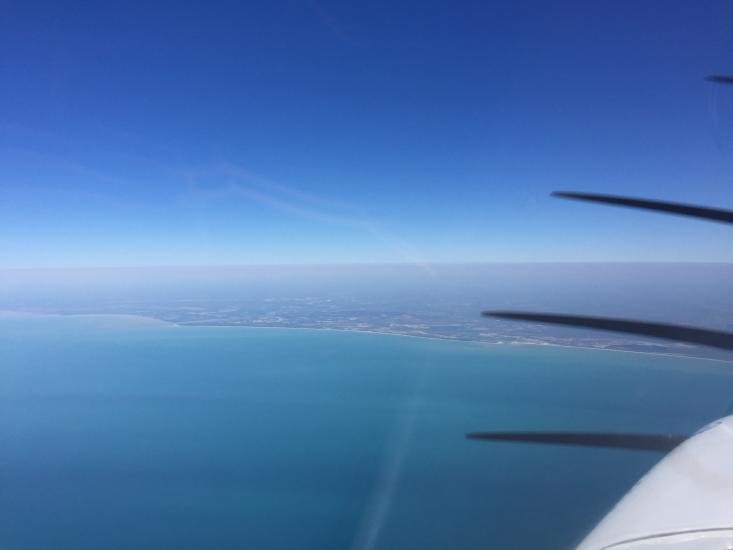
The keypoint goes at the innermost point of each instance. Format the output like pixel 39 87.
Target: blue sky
pixel 185 133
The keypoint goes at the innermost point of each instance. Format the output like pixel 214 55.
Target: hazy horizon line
pixel 361 264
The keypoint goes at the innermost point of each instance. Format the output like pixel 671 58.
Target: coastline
pixel 476 342
pixel 143 320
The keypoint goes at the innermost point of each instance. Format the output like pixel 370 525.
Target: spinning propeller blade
pixel 714 214
pixel 632 441
pixel 722 79
pixel 692 335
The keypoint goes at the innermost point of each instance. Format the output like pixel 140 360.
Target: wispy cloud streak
pixel 231 181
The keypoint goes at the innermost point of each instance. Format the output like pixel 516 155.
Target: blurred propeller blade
pixel 631 441
pixel 720 79
pixel 692 335
pixel 714 214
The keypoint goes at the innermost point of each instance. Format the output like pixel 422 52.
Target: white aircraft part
pixel 684 502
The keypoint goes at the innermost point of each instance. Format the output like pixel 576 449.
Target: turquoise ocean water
pixel 116 433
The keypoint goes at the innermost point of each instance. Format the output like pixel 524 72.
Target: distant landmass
pixel 437 301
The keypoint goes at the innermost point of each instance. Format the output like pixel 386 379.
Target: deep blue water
pixel 122 435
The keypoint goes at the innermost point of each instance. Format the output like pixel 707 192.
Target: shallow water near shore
pixel 119 434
